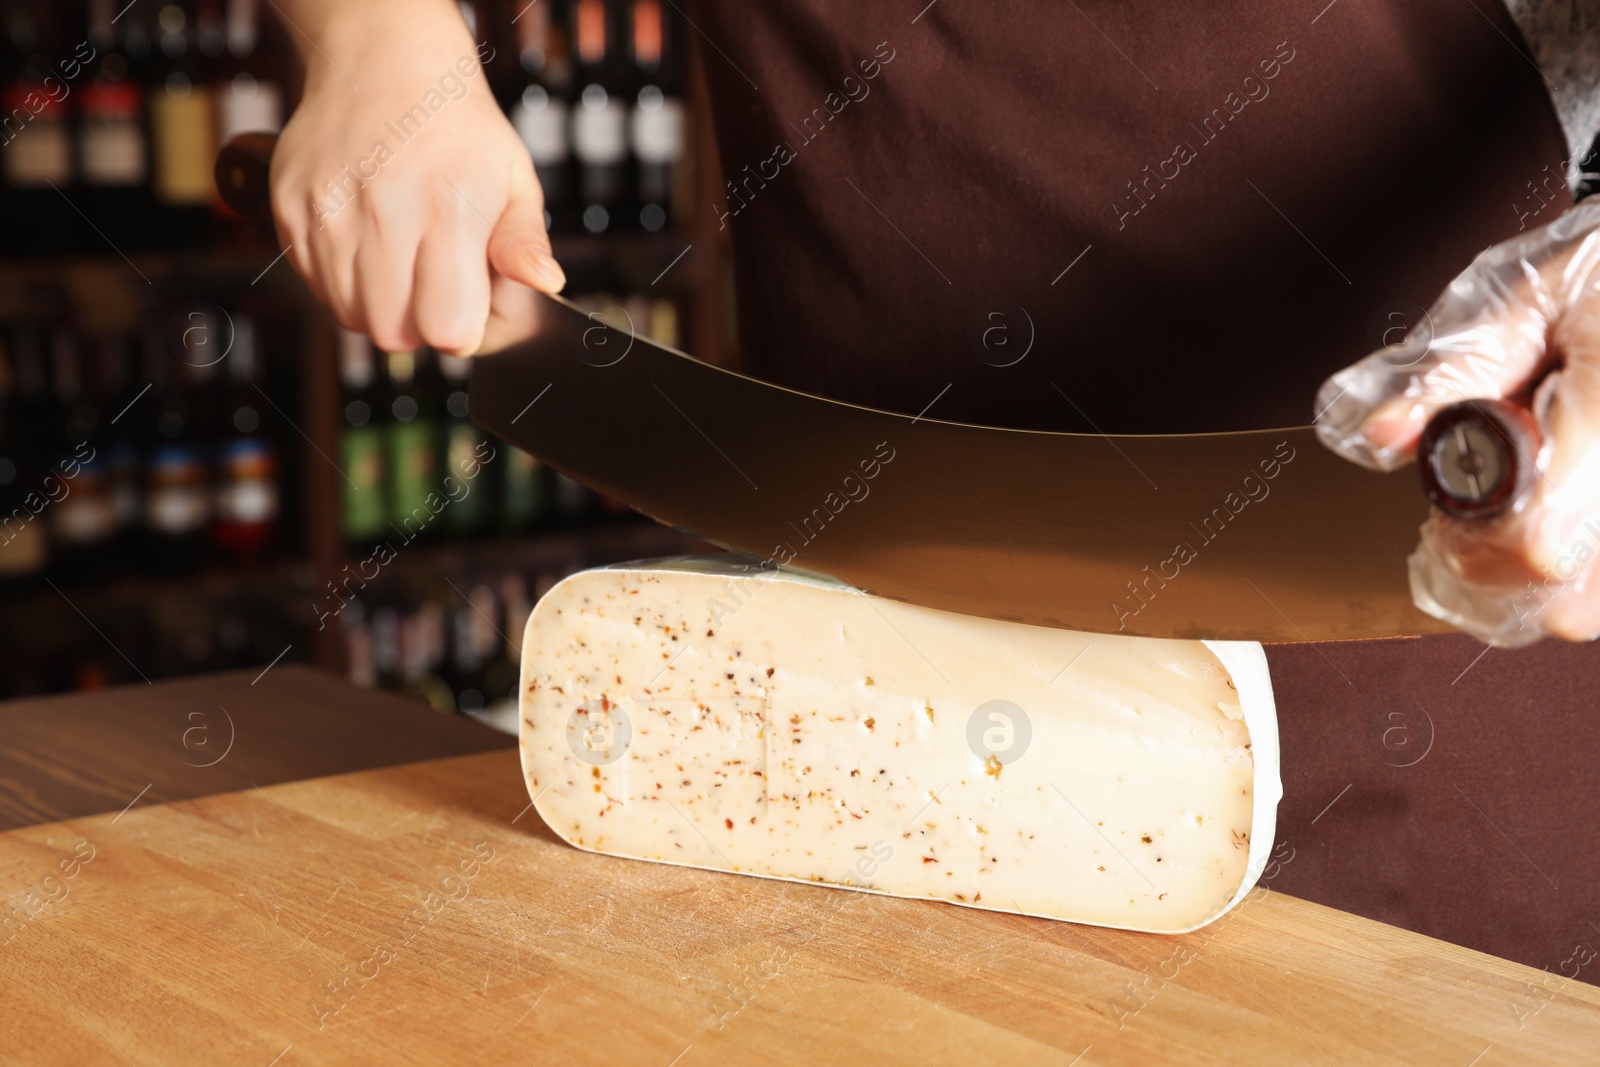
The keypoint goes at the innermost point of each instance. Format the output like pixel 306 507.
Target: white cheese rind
pixel 707 713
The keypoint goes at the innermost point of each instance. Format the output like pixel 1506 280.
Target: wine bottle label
pixel 600 129
pixel 24 549
pixel 413 474
pixel 181 119
pixel 361 455
pixel 541 122
pixel 111 141
pixel 113 153
pixel 246 105
pixel 177 501
pixel 657 128
pixel 87 514
pixel 39 155
pixel 247 491
pixel 251 502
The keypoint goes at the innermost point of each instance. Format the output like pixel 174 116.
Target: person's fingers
pixel 519 247
pixel 451 294
pixel 513 313
pixel 385 271
pixel 1373 411
pixel 293 221
pixel 1493 359
pixel 335 253
pixel 1483 338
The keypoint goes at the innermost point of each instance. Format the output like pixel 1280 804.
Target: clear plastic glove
pixel 403 195
pixel 1525 316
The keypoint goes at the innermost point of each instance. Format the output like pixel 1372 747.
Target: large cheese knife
pixel 1261 535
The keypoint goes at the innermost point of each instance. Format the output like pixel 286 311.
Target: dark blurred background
pixel 199 470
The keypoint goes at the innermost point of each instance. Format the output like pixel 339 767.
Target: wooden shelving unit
pixel 109 294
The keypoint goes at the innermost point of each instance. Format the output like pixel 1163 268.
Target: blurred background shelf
pixel 199 470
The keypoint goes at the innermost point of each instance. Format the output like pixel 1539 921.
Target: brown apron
pixel 1183 217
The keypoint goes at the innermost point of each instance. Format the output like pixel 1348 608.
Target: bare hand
pixel 405 198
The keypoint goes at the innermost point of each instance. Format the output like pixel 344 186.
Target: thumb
pixel 519 248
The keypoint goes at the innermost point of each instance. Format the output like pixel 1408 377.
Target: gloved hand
pixel 1524 309
pixel 403 195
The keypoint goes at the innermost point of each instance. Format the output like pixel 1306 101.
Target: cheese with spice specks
pixel 714 713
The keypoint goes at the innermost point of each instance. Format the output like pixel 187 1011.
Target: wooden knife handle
pixel 243 173
pixel 1479 458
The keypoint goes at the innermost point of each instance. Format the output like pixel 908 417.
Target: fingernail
pixel 549 270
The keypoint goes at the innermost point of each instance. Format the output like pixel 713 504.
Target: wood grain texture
pixel 83 754
pixel 296 922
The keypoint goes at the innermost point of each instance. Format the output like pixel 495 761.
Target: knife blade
pixel 1259 535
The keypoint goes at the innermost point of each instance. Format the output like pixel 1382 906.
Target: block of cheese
pixel 719 714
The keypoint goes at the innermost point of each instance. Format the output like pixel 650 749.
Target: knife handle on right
pixel 1478 458
pixel 244 177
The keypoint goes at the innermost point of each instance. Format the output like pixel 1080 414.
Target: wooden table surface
pixel 421 913
pixel 87 753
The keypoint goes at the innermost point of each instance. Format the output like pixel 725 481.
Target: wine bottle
pixel 541 120
pixel 365 512
pixel 502 678
pixel 24 544
pixel 541 114
pixel 469 473
pixel 126 391
pixel 183 132
pixel 114 165
pixel 246 459
pixel 177 498
pixel 656 125
pixel 35 143
pixel 83 522
pixel 411 451
pixel 422 657
pixel 386 646
pixel 466 659
pixel 248 95
pixel 599 122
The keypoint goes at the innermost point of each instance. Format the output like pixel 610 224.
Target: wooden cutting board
pixel 423 914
